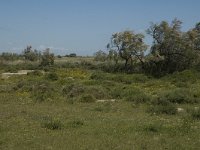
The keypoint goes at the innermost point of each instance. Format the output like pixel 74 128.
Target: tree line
pixel 172 49
pixel 46 58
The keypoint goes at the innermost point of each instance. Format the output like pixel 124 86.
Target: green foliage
pixel 105 107
pixel 6 56
pixel 12 69
pixel 153 127
pixel 51 124
pixel 162 106
pixel 190 76
pixel 47 58
pixel 31 55
pixel 87 98
pixel 52 76
pixel 195 114
pixel 135 95
pixel 73 90
pixel 43 91
pixel 76 123
pixel 80 91
pixel 100 56
pixel 131 94
pixel 179 95
pixel 97 75
pixel 35 73
pixel 172 50
pixel 128 45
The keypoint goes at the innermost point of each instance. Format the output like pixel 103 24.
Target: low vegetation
pixel 116 100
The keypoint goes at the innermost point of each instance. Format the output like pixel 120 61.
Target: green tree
pixel 6 56
pixel 47 58
pixel 30 55
pixel 171 48
pixel 113 55
pixel 100 56
pixel 128 46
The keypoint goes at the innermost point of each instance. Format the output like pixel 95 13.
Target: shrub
pixel 155 127
pixel 52 124
pixel 76 90
pixel 76 123
pixel 87 98
pixel 117 92
pixel 35 73
pixel 131 94
pixel 162 106
pixel 42 91
pixel 12 69
pixel 24 85
pixel 97 75
pixel 196 114
pixel 186 76
pixel 179 95
pixel 52 76
pixel 136 95
pixel 128 79
pixel 98 92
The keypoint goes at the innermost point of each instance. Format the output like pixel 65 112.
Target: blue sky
pixel 84 26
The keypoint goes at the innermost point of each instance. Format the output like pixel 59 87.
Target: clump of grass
pixel 76 123
pixel 98 92
pixel 35 73
pixel 153 127
pixel 24 85
pixel 189 76
pixel 97 75
pixel 179 96
pixel 51 124
pixel 78 91
pixel 128 79
pixel 137 97
pixel 73 90
pixel 162 106
pixel 105 107
pixel 42 91
pixel 131 94
pixel 195 114
pixel 51 76
pixel 87 98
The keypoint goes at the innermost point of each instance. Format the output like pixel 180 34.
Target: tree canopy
pixel 128 46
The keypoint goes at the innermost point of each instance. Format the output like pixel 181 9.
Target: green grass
pixel 39 112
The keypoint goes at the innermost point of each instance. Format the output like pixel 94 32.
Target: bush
pixel 87 98
pixel 136 95
pixel 186 76
pixel 76 123
pixel 35 73
pixel 98 92
pixel 196 114
pixel 179 95
pixel 161 106
pixel 52 76
pixel 24 85
pixel 42 91
pixel 128 79
pixel 97 75
pixel 131 94
pixel 155 127
pixel 52 124
pixel 75 90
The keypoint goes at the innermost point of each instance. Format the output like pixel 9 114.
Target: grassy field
pixel 60 110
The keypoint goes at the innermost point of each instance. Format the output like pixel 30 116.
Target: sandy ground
pixel 20 72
